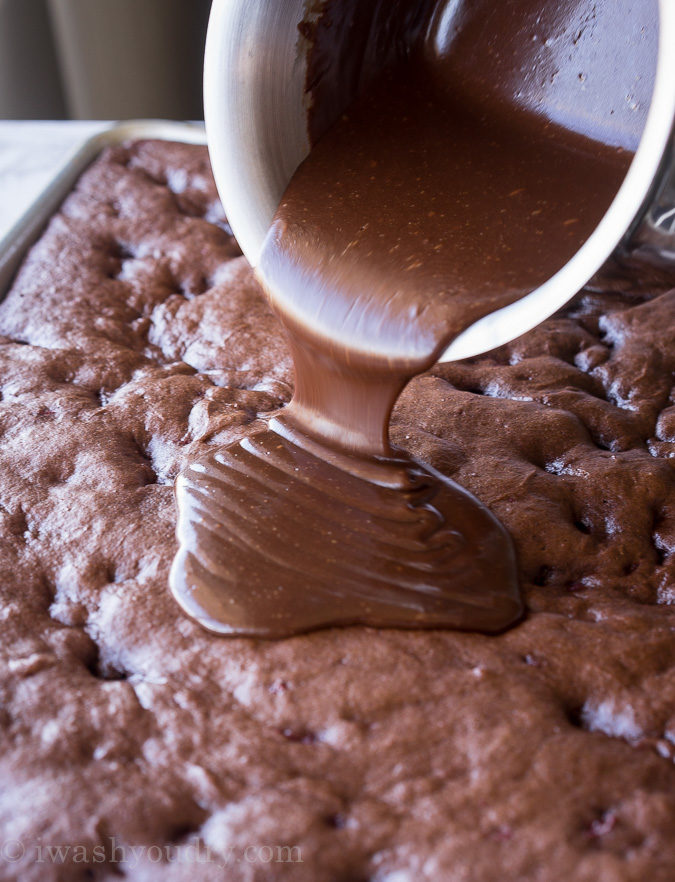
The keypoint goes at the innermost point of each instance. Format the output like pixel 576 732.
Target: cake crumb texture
pixel 135 335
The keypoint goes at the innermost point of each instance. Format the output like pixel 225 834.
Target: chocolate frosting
pixel 439 196
pixel 289 541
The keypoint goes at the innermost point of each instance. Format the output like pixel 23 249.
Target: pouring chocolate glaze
pixel 438 197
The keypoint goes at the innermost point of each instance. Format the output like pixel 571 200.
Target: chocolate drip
pixel 432 202
pixel 276 540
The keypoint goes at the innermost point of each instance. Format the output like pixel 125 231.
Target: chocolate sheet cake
pixel 134 335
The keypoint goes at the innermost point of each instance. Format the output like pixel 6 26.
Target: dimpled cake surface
pixel 135 335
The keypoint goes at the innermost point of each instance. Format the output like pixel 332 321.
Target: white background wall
pixel 101 59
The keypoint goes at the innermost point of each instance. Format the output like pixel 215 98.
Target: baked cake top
pixel 134 335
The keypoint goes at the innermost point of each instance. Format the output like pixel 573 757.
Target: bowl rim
pixel 233 128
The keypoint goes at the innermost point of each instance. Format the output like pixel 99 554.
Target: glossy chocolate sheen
pixel 290 541
pixel 440 195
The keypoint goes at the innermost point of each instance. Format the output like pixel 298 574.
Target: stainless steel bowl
pixel 256 123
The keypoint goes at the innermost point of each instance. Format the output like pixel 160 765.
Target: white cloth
pixel 30 154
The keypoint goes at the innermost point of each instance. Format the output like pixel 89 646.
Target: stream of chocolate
pixel 430 203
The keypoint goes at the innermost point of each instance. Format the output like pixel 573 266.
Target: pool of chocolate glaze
pixel 483 144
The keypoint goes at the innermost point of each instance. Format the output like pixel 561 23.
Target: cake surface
pixel 134 335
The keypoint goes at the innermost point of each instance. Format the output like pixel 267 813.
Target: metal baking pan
pixel 15 243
